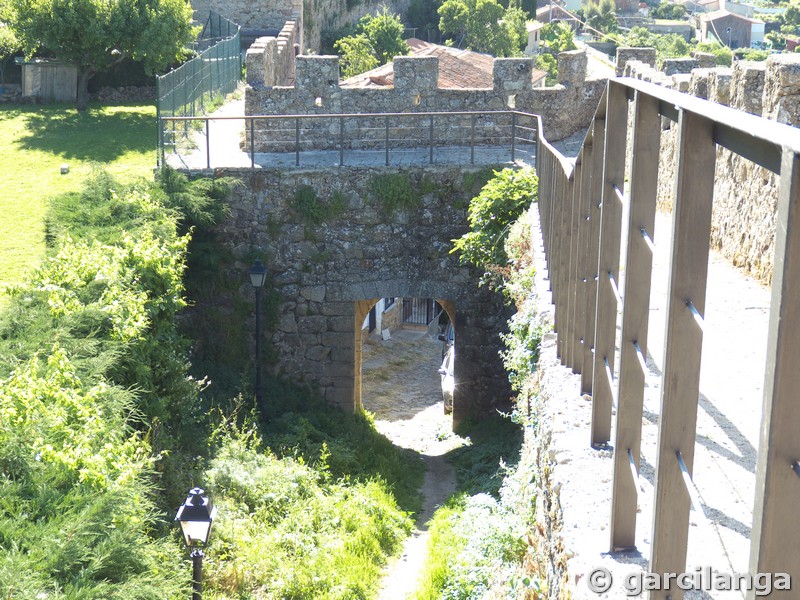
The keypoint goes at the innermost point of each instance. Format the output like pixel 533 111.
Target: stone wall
pixel 271 60
pixel 565 108
pixel 251 15
pixel 326 277
pixel 745 195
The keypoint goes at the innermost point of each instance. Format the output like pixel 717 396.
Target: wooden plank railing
pixel 581 208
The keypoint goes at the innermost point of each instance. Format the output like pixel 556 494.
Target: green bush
pixel 491 213
pixel 288 530
pixel 394 191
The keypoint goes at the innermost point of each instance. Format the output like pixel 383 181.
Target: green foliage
pixel 394 191
pixel 667 46
pixel 89 351
pixel 491 213
pixel 313 210
pixel 751 54
pixel 668 10
pixel 9 46
pixel 423 15
pixel 601 15
pixel 556 37
pixel 95 35
pixel 292 530
pixel 723 53
pixel 478 540
pixel 485 25
pixel 377 40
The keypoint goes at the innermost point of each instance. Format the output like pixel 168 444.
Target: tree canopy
pixel 484 25
pixel 94 35
pixel 377 40
pixel 601 16
pixel 668 10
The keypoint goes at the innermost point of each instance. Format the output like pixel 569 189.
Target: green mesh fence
pixel 199 85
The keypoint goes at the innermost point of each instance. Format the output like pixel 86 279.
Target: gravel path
pixel 401 386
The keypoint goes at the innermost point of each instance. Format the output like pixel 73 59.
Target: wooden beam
pixel 638 272
pixel 608 261
pixel 775 539
pixel 692 200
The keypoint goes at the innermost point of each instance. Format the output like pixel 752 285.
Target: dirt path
pixel 401 386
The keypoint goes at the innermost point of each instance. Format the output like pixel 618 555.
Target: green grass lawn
pixel 36 140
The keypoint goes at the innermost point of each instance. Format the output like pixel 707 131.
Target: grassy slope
pixel 36 140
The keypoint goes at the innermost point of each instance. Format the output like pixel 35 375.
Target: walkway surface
pixel 223 149
pixel 401 387
pixel 729 416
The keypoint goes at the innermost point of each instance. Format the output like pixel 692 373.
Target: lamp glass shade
pixel 195 517
pixel 258 274
pixel 195 532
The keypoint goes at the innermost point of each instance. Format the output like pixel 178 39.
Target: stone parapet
pixel 572 67
pixel 626 55
pixel 270 60
pixel 745 195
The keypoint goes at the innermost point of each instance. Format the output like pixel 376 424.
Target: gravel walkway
pixel 732 372
pixel 401 386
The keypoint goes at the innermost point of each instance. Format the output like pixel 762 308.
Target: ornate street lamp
pixel 258 275
pixel 195 517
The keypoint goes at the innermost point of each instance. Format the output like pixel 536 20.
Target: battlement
pixel 317 90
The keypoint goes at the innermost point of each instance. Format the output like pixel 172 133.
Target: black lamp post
pixel 258 274
pixel 728 31
pixel 195 517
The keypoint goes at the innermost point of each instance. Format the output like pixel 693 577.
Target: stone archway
pixel 362 309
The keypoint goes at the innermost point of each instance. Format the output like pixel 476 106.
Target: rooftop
pixel 458 69
pixel 722 13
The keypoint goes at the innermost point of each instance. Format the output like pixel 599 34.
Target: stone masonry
pixel 565 108
pixel 270 60
pixel 745 195
pixel 328 276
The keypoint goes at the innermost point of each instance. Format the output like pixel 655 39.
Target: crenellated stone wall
pixel 326 276
pixel 565 108
pixel 745 195
pixel 271 60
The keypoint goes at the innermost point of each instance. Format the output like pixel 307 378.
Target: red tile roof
pixel 458 69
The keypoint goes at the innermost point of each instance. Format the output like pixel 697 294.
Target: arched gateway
pixel 336 240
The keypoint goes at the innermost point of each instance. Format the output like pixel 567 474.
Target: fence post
pixel 472 142
pixel 252 143
pixel 386 124
pixel 341 141
pixel 160 151
pixel 692 199
pixel 593 248
pixel 775 539
pixel 608 263
pixel 513 136
pixel 582 244
pixel 208 144
pixel 297 141
pixel 573 205
pixel 632 366
pixel 430 157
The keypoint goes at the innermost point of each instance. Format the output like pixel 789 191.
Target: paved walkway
pixel 729 416
pixel 224 148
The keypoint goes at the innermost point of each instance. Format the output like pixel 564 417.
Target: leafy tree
pixel 485 25
pixel 667 46
pixel 723 53
pixel 601 16
pixel 95 35
pixel 491 213
pixel 556 37
pixel 377 40
pixel 9 46
pixel 668 10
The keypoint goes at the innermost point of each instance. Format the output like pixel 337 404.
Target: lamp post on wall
pixel 728 31
pixel 258 275
pixel 195 517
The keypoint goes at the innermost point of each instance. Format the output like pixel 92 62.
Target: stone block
pixel 312 324
pixel 627 54
pixel 698 84
pixel 747 86
pixel 672 66
pixel 719 85
pixel 416 74
pixel 512 74
pixel 313 293
pixel 782 88
pixel 317 74
pixel 705 60
pixel 572 67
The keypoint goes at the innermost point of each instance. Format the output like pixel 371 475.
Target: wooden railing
pixel 581 209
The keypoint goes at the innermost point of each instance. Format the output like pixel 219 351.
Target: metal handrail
pixel 518 132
